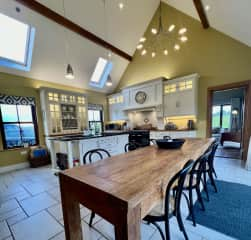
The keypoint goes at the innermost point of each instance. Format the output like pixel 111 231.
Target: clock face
pixel 140 97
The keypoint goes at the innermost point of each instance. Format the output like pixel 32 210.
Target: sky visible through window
pixel 14 39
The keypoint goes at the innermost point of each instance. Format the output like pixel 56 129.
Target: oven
pixel 140 137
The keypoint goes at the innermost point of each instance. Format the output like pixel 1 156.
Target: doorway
pixel 228 118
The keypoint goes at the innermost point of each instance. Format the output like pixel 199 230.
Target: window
pixel 221 116
pixel 100 75
pixel 16 43
pixel 18 125
pixel 95 118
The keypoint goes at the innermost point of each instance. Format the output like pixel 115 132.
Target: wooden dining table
pixel 122 189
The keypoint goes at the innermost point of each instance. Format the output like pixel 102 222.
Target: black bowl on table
pixel 170 143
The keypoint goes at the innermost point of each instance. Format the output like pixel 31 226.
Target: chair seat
pixel 159 209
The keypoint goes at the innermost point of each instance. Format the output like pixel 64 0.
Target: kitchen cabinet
pixel 63 112
pixel 180 96
pixel 116 104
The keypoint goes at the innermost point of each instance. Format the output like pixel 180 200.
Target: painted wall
pixel 20 86
pixel 216 57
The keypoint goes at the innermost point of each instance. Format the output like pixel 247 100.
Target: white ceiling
pixel 123 29
pixel 231 17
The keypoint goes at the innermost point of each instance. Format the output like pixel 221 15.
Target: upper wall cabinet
pixel 63 112
pixel 116 104
pixel 180 96
pixel 144 95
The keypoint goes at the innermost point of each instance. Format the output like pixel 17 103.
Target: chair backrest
pixel 198 168
pixel 93 154
pixel 212 151
pixel 178 178
pixel 130 146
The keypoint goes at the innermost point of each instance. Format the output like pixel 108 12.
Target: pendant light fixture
pixel 162 36
pixel 109 81
pixel 69 70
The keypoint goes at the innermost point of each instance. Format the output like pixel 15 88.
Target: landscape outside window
pixel 18 125
pixel 221 116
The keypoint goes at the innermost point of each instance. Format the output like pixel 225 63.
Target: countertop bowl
pixel 170 143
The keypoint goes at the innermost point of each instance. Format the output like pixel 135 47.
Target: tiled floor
pixel 31 208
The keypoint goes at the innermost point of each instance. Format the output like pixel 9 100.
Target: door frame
pixel 246 131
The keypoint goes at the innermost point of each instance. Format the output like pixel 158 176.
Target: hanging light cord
pixel 66 37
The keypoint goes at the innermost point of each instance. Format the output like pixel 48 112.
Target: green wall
pixel 218 59
pixel 20 86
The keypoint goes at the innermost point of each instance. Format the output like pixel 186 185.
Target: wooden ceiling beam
pixel 55 17
pixel 202 13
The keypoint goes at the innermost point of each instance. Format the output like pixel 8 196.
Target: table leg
pixel 129 226
pixel 71 213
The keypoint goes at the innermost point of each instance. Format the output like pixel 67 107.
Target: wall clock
pixel 140 97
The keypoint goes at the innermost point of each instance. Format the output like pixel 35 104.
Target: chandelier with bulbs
pixel 157 41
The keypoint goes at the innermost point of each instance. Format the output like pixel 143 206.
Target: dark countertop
pixel 78 137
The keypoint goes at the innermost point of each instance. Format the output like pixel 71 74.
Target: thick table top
pixel 140 176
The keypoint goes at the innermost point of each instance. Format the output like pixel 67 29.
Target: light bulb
pixel 143 39
pixel 176 47
pixel 182 31
pixel 154 31
pixel 143 52
pixel 69 72
pixel 165 52
pixel 207 7
pixel 183 38
pixel 140 46
pixel 171 28
pixel 153 54
pixel 121 6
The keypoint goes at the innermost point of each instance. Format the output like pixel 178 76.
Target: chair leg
pixel 214 172
pixel 159 229
pixel 91 218
pixel 210 174
pixel 205 185
pixel 200 198
pixel 191 206
pixel 167 229
pixel 181 225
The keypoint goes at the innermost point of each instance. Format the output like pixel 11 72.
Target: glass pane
pixel 216 117
pixel 14 38
pixel 96 115
pixel 96 127
pixel 90 115
pixel 28 133
pixel 9 113
pixel 226 116
pixel 24 113
pixel 12 135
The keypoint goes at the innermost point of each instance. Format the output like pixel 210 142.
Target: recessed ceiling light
pixel 171 28
pixel 207 7
pixel 165 52
pixel 154 31
pixel 143 39
pixel 153 54
pixel 143 52
pixel 140 46
pixel 121 6
pixel 182 31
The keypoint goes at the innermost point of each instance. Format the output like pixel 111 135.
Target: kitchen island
pixel 75 146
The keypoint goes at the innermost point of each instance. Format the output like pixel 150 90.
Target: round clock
pixel 140 97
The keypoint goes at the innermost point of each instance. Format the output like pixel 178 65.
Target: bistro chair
pixel 90 157
pixel 131 146
pixel 193 182
pixel 170 205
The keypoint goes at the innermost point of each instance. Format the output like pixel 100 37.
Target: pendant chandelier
pixel 162 38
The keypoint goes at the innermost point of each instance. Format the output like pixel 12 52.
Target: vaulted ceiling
pixel 121 28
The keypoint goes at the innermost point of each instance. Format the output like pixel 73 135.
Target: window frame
pixel 101 119
pixel 221 114
pixel 34 122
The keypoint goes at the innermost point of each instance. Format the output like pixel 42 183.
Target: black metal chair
pixel 131 146
pixel 89 157
pixel 153 141
pixel 193 182
pixel 170 205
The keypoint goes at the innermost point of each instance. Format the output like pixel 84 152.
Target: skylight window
pixel 16 43
pixel 101 72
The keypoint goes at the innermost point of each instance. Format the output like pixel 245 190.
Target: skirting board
pixel 14 167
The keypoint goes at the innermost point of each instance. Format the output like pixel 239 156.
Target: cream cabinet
pixel 180 96
pixel 116 103
pixel 173 134
pixel 63 112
